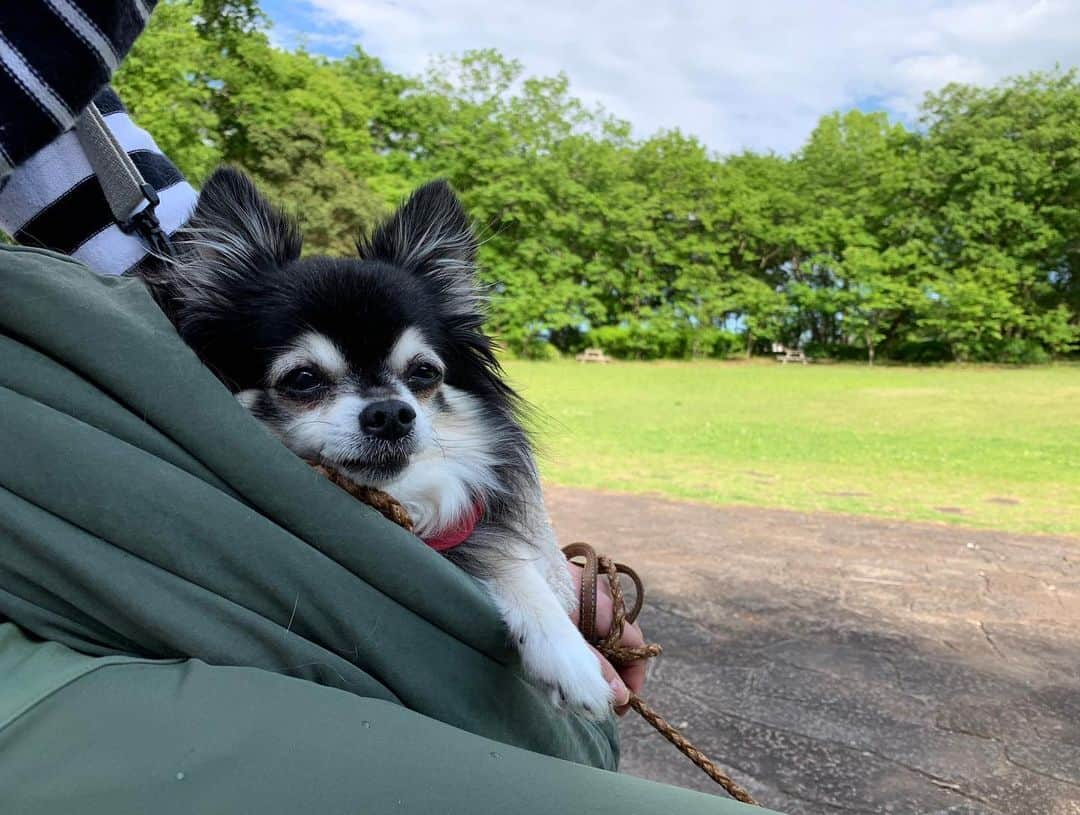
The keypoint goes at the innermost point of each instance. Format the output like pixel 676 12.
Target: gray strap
pixel 129 197
pixel 120 179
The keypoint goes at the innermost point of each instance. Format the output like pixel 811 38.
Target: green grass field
pixel 983 447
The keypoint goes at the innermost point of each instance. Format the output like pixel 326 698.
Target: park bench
pixel 593 355
pixel 784 355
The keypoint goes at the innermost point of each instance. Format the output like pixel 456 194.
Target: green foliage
pixel 871 241
pixel 526 344
pixel 206 82
pixel 539 352
pixel 640 341
pixel 716 343
pixel 661 338
pixel 168 83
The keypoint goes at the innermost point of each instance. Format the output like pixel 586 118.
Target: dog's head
pixel 375 365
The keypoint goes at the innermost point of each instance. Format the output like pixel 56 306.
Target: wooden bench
pixel 593 355
pixel 784 355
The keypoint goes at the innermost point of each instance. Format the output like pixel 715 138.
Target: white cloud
pixel 738 75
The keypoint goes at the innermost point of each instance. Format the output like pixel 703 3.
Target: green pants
pixel 204 625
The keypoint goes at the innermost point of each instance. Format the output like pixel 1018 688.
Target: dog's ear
pixel 430 235
pixel 226 263
pixel 235 230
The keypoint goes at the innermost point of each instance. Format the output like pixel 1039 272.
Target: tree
pixel 971 311
pixel 762 309
pixel 874 293
pixel 872 238
pixel 1002 169
pixel 167 83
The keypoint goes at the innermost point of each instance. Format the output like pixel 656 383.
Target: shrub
pixel 544 352
pixel 834 350
pixel 624 342
pixel 661 339
pixel 922 352
pixel 716 343
pixel 1022 352
pixel 528 345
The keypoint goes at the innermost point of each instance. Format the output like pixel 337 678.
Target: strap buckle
pixel 123 185
pixel 146 225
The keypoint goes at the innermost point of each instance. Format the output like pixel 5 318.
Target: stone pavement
pixel 842 664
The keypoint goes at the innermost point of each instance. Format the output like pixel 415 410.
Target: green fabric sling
pixel 144 513
pixel 172 575
pixel 120 736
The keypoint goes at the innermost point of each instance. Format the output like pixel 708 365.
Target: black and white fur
pixel 377 366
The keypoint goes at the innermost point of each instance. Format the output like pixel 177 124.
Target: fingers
pixel 605 610
pixel 604 606
pixel 633 675
pixel 632 636
pixel 630 678
pixel 620 693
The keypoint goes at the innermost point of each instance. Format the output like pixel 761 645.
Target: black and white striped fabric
pixel 55 55
pixel 54 200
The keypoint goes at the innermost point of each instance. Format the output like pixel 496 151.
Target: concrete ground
pixel 842 664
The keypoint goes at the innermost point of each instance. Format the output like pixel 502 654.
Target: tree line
pixel 955 239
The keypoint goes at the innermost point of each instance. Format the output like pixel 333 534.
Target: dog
pixel 377 367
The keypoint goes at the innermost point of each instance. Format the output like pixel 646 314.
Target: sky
pixel 753 74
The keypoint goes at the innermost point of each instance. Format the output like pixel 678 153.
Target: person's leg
pixel 189 737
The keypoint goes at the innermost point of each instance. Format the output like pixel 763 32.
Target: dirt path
pixel 839 664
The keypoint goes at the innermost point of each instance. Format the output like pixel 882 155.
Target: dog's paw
pixel 563 662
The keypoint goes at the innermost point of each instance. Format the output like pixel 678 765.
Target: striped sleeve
pixel 54 201
pixel 55 55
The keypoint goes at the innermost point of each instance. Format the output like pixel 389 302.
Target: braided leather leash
pixel 378 500
pixel 610 645
pixel 620 655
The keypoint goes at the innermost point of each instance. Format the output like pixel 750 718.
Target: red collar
pixel 459 532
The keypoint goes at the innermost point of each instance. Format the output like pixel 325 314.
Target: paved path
pixel 840 664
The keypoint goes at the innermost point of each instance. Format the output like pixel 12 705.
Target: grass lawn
pixel 979 446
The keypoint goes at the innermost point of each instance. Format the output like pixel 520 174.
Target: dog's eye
pixel 422 375
pixel 302 380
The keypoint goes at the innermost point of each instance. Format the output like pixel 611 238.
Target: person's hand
pixel 630 678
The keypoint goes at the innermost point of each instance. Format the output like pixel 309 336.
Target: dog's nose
pixel 390 419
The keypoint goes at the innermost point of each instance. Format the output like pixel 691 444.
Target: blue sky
pixel 736 74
